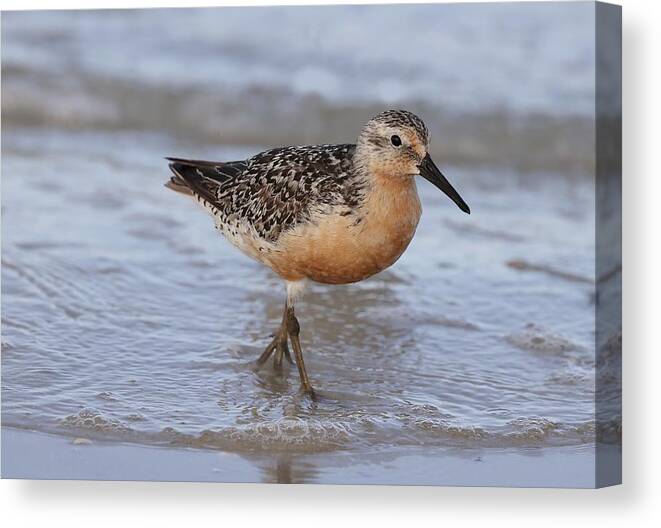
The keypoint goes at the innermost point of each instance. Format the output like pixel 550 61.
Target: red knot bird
pixel 333 214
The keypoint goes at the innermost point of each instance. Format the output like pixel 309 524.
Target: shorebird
pixel 334 214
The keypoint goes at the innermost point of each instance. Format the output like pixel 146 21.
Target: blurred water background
pixel 125 317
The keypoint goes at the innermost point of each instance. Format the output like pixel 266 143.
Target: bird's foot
pixel 289 330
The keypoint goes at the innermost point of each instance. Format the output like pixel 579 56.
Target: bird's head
pixel 394 144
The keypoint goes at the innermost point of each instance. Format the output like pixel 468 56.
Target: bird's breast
pixel 348 246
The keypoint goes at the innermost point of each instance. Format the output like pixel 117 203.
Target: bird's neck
pixel 388 196
pixel 391 196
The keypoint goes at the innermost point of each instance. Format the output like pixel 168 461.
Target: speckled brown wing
pixel 276 189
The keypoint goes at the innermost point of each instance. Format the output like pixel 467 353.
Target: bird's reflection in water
pixel 288 469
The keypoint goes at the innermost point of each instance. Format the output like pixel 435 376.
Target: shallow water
pixel 126 317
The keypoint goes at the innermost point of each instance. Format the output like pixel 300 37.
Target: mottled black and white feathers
pixel 275 190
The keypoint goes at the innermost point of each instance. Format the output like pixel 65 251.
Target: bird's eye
pixel 396 141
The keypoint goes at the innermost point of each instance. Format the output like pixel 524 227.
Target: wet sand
pixel 31 455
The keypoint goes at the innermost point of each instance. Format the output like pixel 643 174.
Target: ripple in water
pixel 538 339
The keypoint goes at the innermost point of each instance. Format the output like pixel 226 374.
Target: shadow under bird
pixel 333 214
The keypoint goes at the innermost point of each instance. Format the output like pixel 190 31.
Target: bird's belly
pixel 341 250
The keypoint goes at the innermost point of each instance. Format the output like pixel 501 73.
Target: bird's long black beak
pixel 429 171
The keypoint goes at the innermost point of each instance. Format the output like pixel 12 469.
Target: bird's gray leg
pixel 277 344
pixel 293 329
